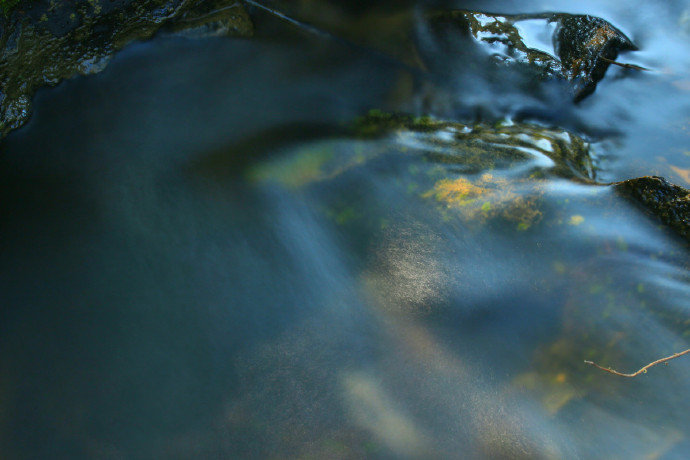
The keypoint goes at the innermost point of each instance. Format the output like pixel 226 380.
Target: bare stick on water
pixel 644 369
pixel 625 66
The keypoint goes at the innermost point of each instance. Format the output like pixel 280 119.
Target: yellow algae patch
pixel 486 198
pixel 576 220
pixel 458 192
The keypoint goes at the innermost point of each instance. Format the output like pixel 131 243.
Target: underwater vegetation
pixel 328 229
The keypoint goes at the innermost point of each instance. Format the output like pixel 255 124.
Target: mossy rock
pixel 488 145
pixel 669 202
pixel 488 197
pixel 474 149
pixel 478 174
pixel 44 42
pixel 581 50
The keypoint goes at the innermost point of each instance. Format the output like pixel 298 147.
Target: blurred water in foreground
pixel 196 262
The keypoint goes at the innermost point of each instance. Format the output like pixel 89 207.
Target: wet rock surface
pixel 502 166
pixel 477 174
pixel 570 47
pixel 42 43
pixel 577 48
pixel 669 202
pixel 485 146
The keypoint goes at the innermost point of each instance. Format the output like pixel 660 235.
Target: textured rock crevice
pixel 580 49
pixel 43 43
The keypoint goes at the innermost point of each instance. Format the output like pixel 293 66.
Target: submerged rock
pixel 522 148
pixel 483 146
pixel 42 43
pixel 670 203
pixel 488 197
pixel 578 48
pixel 503 165
pixel 476 174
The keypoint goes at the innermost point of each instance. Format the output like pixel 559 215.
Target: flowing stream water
pixel 196 261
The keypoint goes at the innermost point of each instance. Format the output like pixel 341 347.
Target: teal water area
pixel 198 258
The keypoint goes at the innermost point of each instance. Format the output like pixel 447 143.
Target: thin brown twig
pixel 641 371
pixel 626 66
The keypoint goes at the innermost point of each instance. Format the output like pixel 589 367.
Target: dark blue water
pixel 197 261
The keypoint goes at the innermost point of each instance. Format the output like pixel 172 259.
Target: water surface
pixel 197 260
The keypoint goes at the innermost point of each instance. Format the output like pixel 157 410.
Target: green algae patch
pixel 475 173
pixel 377 122
pixel 344 216
pixel 530 152
pixel 50 43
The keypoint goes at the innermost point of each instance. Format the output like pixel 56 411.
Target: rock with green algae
pixel 477 173
pixel 43 42
pixel 580 48
pixel 531 150
pixel 669 202
pixel 485 146
pixel 478 200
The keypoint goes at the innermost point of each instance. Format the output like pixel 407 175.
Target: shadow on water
pixel 234 159
pixel 207 251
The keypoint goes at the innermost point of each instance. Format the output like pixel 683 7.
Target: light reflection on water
pixel 155 307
